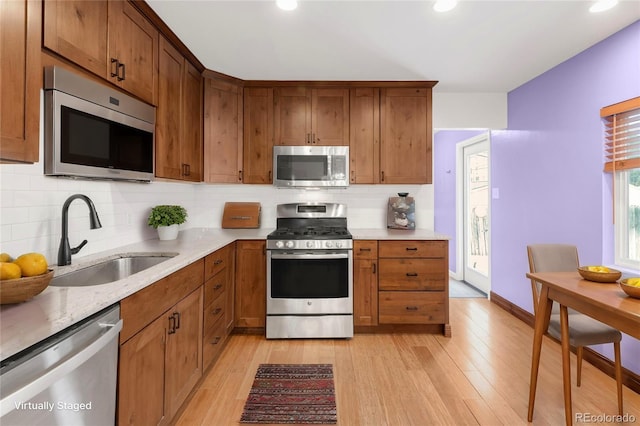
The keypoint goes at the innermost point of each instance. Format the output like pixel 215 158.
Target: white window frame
pixel 622 232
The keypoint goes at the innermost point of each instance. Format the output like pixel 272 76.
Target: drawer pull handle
pixel 412 274
pixel 412 248
pixel 217 287
pixel 412 308
pixel 374 268
pixel 365 249
pixel 216 340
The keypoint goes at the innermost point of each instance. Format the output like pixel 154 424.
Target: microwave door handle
pixel 340 255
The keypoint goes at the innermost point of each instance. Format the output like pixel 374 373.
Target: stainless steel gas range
pixel 310 273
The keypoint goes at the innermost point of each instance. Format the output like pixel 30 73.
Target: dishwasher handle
pixel 32 389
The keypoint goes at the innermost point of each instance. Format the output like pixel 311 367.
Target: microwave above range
pixel 311 166
pixel 95 132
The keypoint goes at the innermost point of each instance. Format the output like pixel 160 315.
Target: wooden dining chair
pixel 583 330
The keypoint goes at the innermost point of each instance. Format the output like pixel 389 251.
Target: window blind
pixel 622 135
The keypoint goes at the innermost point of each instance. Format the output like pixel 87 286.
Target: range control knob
pixel 279 244
pixel 338 244
pixel 309 244
pixel 329 244
pixel 289 244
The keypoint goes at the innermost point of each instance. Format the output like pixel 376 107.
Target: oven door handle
pixel 344 255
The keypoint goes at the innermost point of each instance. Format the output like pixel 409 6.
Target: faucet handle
pixel 77 249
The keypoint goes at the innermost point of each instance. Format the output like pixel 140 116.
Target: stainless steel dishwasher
pixel 67 379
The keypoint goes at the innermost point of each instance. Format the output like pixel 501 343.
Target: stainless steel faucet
pixel 65 251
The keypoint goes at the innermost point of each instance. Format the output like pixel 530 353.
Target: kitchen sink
pixel 110 270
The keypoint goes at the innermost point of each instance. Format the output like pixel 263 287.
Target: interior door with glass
pixel 476 214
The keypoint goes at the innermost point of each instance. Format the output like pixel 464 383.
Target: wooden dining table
pixel 605 302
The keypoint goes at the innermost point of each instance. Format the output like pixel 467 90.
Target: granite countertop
pixel 56 308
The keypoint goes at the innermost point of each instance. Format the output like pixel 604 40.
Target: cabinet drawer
pixel 411 307
pixel 413 249
pixel 213 312
pixel 146 305
pixel 412 274
pixel 215 286
pixel 217 261
pixel 365 249
pixel 212 343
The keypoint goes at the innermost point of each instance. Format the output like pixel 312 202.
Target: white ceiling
pixel 481 46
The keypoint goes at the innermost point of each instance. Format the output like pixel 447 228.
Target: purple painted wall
pixel 444 187
pixel 548 167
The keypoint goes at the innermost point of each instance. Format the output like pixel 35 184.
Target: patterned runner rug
pixel 291 393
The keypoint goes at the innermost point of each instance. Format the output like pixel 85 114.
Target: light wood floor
pixel 480 376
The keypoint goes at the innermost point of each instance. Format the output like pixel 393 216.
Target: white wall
pixel 469 110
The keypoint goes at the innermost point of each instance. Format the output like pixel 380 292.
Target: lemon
pixel 5 257
pixel 32 264
pixel 635 282
pixel 9 271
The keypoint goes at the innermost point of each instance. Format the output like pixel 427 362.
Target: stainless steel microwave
pixel 311 166
pixel 95 132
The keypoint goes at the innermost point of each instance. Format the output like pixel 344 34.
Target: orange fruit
pixel 32 264
pixel 9 271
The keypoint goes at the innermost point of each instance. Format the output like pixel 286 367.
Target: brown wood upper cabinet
pixel 405 135
pixel 109 38
pixel 311 116
pixel 222 132
pixel 20 79
pixel 178 117
pixel 258 135
pixel 364 132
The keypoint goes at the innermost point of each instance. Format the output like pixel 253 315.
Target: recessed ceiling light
pixel 602 5
pixel 444 5
pixel 287 4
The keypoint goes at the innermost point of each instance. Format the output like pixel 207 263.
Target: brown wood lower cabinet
pixel 218 302
pixel 251 284
pixel 365 283
pixel 411 287
pixel 161 347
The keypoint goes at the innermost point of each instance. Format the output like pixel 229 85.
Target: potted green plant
pixel 166 219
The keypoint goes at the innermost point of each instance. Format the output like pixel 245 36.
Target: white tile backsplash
pixel 30 220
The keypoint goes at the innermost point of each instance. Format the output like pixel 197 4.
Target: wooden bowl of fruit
pixel 23 278
pixel 631 286
pixel 600 274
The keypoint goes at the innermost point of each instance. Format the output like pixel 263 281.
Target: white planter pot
pixel 168 232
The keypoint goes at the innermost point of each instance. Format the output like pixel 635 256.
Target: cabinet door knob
pixel 172 324
pixel 121 76
pixel 177 315
pixel 114 69
pixel 217 286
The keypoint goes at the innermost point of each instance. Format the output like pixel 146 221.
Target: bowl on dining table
pixel 600 274
pixel 629 286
